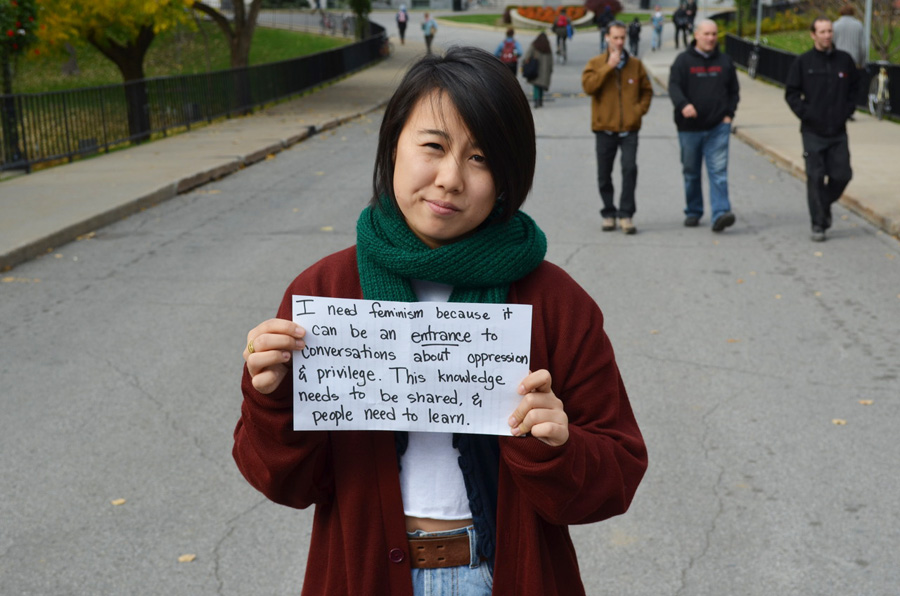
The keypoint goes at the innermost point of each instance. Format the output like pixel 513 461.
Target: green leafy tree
pixel 238 31
pixel 744 10
pixel 18 21
pixel 121 30
pixel 361 8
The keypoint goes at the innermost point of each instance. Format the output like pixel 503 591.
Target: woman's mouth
pixel 441 207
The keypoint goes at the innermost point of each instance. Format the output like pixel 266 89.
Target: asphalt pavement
pixel 762 367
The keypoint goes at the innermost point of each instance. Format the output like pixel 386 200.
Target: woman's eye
pixel 435 146
pixel 479 158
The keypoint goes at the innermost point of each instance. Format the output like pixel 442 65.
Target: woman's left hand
pixel 540 412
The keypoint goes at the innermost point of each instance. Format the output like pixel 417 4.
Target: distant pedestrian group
pixel 703 87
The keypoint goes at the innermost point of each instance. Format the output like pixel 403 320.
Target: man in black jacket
pixel 821 89
pixel 704 90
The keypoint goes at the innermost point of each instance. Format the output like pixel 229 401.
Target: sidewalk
pixel 44 210
pixel 765 122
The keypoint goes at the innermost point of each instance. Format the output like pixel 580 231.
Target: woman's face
pixel 442 182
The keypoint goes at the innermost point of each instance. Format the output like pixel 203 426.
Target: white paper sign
pixel 416 366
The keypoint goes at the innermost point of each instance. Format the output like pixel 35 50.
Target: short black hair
pixel 493 107
pixel 818 19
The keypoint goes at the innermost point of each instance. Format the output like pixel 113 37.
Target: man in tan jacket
pixel 620 93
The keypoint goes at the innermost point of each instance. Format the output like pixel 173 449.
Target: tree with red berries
pixel 17 31
pixel 17 26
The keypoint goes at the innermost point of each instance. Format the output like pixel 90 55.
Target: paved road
pixel 121 359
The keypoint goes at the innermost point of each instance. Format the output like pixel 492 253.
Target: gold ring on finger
pixel 250 349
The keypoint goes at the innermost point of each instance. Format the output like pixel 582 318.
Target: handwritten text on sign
pixel 420 366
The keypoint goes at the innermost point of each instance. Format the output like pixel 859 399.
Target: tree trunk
pixel 8 118
pixel 130 61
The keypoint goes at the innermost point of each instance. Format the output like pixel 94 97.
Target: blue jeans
pixel 474 579
pixel 656 42
pixel 710 146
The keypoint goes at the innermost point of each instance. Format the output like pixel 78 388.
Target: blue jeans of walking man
pixel 710 146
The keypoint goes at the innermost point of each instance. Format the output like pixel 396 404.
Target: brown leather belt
pixel 431 552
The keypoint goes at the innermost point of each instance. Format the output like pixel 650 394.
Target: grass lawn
pixel 491 20
pixel 183 51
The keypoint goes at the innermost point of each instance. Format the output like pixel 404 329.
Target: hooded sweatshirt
pixel 709 83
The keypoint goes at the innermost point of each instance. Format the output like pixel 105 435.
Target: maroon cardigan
pixel 359 543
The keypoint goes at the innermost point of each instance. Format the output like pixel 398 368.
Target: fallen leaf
pixel 777 296
pixel 319 173
pixel 87 236
pixel 818 253
pixel 58 256
pixel 753 273
pixel 866 402
pixel 654 332
pixel 817 294
pixel 326 229
pixel 117 502
pixel 740 281
pixel 296 210
pixel 839 422
pixel 890 256
pixel 733 341
pixel 187 558
pixel 844 217
pixel 270 156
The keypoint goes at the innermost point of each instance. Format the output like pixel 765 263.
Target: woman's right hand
pixel 272 342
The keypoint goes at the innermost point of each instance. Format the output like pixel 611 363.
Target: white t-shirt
pixel 431 482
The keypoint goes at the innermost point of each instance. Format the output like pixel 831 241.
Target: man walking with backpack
pixel 620 93
pixel 509 51
pixel 562 27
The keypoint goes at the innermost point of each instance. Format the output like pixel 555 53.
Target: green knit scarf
pixel 480 267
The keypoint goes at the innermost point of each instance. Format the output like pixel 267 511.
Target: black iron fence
pixel 41 127
pixel 773 66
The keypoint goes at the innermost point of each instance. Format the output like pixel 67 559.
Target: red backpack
pixel 508 55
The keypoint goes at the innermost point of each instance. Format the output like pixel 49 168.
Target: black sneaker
pixel 818 235
pixel 725 220
pixel 691 221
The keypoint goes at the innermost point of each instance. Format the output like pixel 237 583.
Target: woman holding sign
pixel 410 513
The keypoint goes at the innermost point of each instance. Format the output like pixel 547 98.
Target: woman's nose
pixel 450 175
